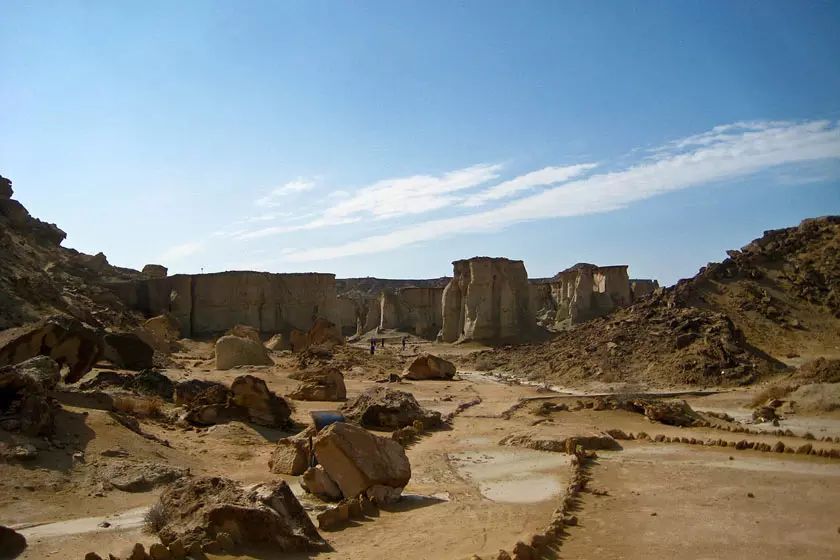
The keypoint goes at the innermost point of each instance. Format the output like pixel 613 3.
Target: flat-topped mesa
pixel 210 304
pixel 583 292
pixel 412 309
pixel 488 299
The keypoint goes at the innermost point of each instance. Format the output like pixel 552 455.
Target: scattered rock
pixel 234 351
pixel 68 341
pixel 357 459
pixel 139 477
pixel 383 407
pixel 128 351
pixel 428 366
pixel 291 455
pixel 24 404
pixel 263 407
pixel 187 392
pixel 323 385
pixel 195 510
pixel 672 413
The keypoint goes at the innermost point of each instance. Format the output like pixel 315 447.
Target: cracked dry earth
pixel 468 494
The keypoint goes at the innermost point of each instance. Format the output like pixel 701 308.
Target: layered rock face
pixel 416 310
pixel 487 299
pixel 208 304
pixel 583 292
pixel 642 287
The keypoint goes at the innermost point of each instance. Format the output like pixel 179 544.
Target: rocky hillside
pixel 734 322
pixel 39 277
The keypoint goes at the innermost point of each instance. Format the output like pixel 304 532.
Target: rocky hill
pixel 775 300
pixel 40 277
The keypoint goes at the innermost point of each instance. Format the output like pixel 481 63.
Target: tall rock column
pixel 488 299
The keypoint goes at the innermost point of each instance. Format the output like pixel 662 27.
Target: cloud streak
pixel 275 196
pixel 542 177
pixel 725 152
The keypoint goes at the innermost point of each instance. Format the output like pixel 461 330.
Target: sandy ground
pixel 468 494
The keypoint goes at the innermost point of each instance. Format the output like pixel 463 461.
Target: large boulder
pixel 386 408
pixel 324 385
pixel 428 366
pixel 291 454
pixel 358 460
pixel 263 406
pixel 128 351
pixel 147 382
pixel 155 271
pixel 138 477
pixel 187 392
pixel 672 413
pixel 277 342
pixel 196 511
pixel 235 351
pixel 164 330
pixel 325 333
pixel 24 405
pixel 68 341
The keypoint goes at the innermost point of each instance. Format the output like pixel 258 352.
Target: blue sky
pixel 390 138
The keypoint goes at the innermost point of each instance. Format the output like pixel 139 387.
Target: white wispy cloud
pixel 181 251
pixel 542 177
pixel 274 196
pixel 389 198
pixel 725 152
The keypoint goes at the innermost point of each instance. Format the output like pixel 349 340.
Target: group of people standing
pixel 382 344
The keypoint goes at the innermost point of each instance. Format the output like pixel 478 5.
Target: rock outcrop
pixel 428 366
pixel 584 292
pixel 323 385
pixel 291 455
pixel 155 271
pixel 68 341
pixel 358 460
pixel 128 351
pixel 210 304
pixel 234 351
pixel 197 511
pixel 386 408
pixel 414 310
pixel 247 400
pixel 488 299
pixel 24 404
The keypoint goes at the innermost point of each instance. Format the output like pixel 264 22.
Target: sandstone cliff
pixel 488 299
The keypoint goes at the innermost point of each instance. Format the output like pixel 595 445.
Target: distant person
pixel 372 346
pixel 403 342
pixel 382 342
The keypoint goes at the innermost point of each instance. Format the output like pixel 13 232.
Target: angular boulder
pixel 324 385
pixel 187 392
pixel 195 511
pixel 672 413
pixel 164 330
pixel 358 460
pixel 128 351
pixel 24 405
pixel 325 333
pixel 386 408
pixel 316 481
pixel 277 342
pixel 291 454
pixel 235 351
pixel 263 406
pixel 68 341
pixel 428 366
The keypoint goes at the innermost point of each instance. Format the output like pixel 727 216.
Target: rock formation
pixel 128 351
pixel 642 287
pixel 68 341
pixel 210 304
pixel 24 405
pixel 197 511
pixel 248 400
pixel 415 310
pixel 427 366
pixel 386 408
pixel 358 460
pixel 322 385
pixel 583 292
pixel 488 299
pixel 234 351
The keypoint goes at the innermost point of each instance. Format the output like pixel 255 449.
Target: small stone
pixel 750 495
pixel 104 524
